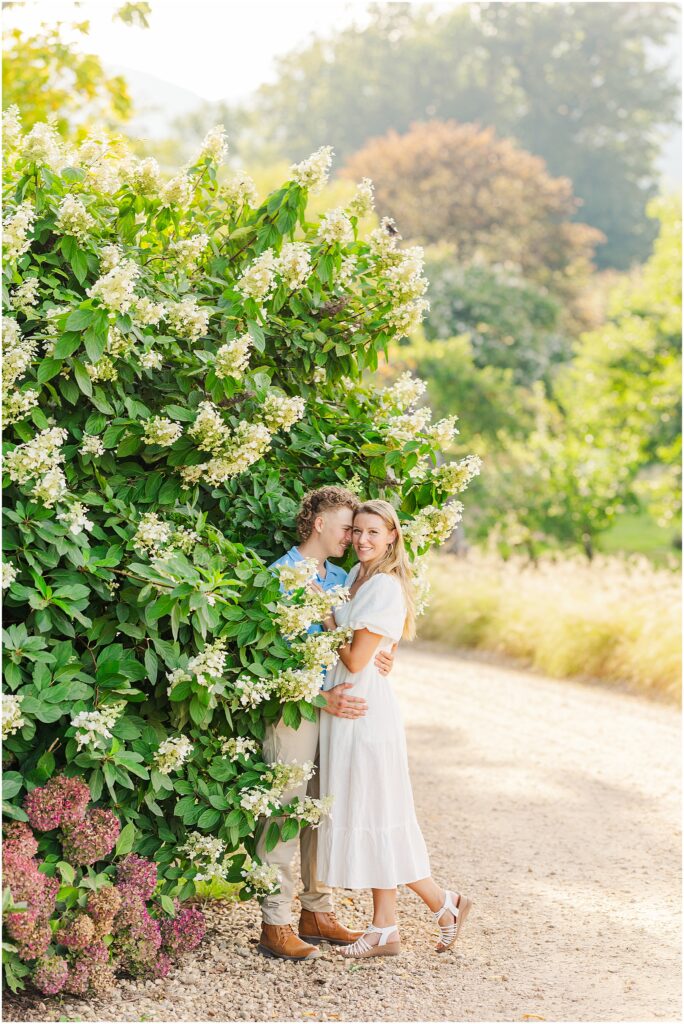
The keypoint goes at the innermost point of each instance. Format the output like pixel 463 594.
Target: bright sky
pixel 219 50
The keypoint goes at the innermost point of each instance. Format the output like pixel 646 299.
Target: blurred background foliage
pixel 519 143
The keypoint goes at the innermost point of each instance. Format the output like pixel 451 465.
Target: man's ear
pixel 318 524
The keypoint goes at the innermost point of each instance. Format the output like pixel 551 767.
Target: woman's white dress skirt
pixel 372 838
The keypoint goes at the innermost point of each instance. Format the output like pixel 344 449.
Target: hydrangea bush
pixel 70 925
pixel 183 361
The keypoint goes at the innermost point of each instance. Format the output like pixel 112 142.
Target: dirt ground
pixel 555 805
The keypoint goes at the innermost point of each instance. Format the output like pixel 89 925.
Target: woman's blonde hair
pixel 395 561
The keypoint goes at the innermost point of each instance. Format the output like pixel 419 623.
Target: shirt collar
pixel 297 556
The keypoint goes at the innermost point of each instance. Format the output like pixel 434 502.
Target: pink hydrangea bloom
pixel 61 801
pixel 50 975
pixel 91 839
pixel 78 980
pixel 36 943
pixel 138 874
pixel 76 796
pixel 184 932
pixel 20 839
pixel 78 933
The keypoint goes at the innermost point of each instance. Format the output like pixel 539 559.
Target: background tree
pixel 587 87
pixel 47 77
pixel 488 198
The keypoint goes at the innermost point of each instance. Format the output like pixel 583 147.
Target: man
pixel 324 525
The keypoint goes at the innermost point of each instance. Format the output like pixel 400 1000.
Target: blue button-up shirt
pixel 335 576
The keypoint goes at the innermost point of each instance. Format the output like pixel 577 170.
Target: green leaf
pixel 82 379
pixel 209 818
pixel 124 843
pixel 167 905
pixel 67 872
pixel 289 830
pixel 95 342
pixel 11 784
pixel 48 369
pixel 79 265
pixel 80 319
pixel 272 836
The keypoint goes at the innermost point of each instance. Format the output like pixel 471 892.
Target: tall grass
pixel 612 619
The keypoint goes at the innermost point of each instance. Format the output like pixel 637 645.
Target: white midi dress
pixel 372 838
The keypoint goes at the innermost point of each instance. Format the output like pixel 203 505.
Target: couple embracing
pixel 372 838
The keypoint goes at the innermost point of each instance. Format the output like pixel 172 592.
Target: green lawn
pixel 640 534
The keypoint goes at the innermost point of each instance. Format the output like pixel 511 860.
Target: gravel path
pixel 554 804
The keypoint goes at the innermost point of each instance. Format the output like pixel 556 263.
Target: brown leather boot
pixel 280 942
pixel 325 928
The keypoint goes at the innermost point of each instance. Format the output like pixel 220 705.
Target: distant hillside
pixel 157 103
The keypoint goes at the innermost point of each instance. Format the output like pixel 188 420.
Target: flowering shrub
pixel 183 361
pixel 69 926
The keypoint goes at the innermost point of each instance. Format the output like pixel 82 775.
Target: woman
pixel 372 839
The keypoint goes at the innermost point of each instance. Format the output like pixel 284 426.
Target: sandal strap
pixel 448 905
pixel 383 932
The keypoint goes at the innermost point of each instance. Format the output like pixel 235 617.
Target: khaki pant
pixel 284 744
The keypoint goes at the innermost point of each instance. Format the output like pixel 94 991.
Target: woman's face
pixel 370 536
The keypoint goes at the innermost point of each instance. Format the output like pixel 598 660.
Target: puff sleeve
pixel 380 607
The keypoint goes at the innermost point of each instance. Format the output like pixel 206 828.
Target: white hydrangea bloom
pixel 12 718
pixel 241 190
pixel 206 855
pixel 405 319
pixel 177 192
pixel 15 240
pixel 281 412
pixel 252 690
pixel 239 746
pixel 152 535
pixel 9 574
pixel 43 145
pixel 115 289
pixel 405 392
pixel 321 650
pixel 188 251
pixel 442 433
pixel 261 878
pixel 151 360
pixel 383 241
pixel 298 575
pixel 207 667
pixel 421 585
pixel 215 146
pixel 347 272
pixel 91 444
pixel 94 148
pixel 172 754
pixel 298 684
pixel 257 801
pixel 17 354
pixel 405 428
pixel 162 431
pixel 313 172
pixel 119 345
pixel 362 202
pixel 455 476
pixel 187 318
pixel 257 281
pixel 283 776
pixel 319 375
pixel 233 358
pixel 11 129
pixel 294 264
pixel 103 369
pixel 40 459
pixel 312 810
pixel 185 539
pixel 73 218
pixel 209 431
pixel 432 525
pixel 145 177
pixel 76 518
pixel 336 228
pixel 94 728
pixel 293 619
pixel 25 295
pixel 110 257
pixel 147 313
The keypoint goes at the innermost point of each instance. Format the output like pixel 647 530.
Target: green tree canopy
pixel 581 85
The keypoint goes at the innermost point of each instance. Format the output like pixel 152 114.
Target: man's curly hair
pixel 322 500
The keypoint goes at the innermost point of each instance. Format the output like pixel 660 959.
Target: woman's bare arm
pixel 360 651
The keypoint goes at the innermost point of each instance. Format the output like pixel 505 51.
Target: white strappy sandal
pixel 362 947
pixel 459 906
